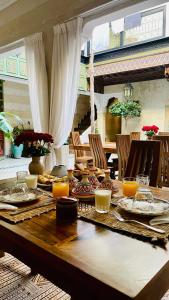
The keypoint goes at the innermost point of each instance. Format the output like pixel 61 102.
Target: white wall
pixel 153 96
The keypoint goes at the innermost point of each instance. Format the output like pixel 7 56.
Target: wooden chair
pixel 98 154
pixel 144 158
pixel 123 148
pixel 134 135
pixel 80 156
pixel 164 178
pixel 165 133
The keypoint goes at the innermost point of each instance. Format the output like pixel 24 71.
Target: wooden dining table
pixel 89 261
pixel 108 147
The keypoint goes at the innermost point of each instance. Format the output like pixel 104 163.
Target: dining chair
pixel 99 157
pixel 145 158
pixel 80 155
pixel 123 148
pixel 164 178
pixel 134 135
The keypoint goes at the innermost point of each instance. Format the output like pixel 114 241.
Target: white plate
pixel 156 208
pixel 18 198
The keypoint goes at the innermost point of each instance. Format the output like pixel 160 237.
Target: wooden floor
pixel 16 282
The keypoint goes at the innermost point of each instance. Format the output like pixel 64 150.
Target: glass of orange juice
pixel 130 186
pixel 60 189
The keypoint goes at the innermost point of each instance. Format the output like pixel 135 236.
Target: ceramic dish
pixel 45 186
pixel 18 198
pixel 156 208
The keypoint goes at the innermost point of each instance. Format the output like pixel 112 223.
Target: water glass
pixel 21 176
pixel 102 200
pixel 142 179
pixel 129 186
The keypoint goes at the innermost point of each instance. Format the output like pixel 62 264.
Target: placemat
pixel 131 229
pixel 32 212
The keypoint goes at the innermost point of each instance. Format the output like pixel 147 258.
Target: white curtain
pixel 38 85
pixel 65 79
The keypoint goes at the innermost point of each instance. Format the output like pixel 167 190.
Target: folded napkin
pixel 7 206
pixel 160 220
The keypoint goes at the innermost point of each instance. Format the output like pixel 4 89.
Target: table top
pixel 108 147
pixel 89 261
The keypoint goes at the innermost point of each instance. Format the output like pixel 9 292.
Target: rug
pixel 17 283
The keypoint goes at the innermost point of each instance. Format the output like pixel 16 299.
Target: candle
pixel 102 200
pixel 130 187
pixel 31 181
pixel 60 189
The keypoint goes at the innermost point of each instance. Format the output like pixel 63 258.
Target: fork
pixel 121 219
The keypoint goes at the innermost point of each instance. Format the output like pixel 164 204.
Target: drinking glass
pixel 60 189
pixel 21 176
pixel 143 179
pixel 102 200
pixel 31 181
pixel 129 186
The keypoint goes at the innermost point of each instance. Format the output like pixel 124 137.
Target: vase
pixel 149 138
pixel 35 166
pixel 107 183
pixel 83 190
pixel 72 180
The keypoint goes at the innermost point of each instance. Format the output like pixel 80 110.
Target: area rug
pixel 17 283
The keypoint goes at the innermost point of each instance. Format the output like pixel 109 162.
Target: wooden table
pixel 108 147
pixel 89 261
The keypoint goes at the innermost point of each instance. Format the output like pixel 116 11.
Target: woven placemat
pixel 131 229
pixel 32 212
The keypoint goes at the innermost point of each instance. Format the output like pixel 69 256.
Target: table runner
pixel 131 229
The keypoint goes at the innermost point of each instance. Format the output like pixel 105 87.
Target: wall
pixel 16 101
pixel 154 97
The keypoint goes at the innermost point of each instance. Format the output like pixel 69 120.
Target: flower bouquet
pixel 150 130
pixel 37 144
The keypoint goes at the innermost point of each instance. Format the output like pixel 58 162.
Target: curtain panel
pixel 65 79
pixel 38 85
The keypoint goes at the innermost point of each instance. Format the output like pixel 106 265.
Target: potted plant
pixel 127 109
pixel 150 131
pixel 17 150
pixel 5 123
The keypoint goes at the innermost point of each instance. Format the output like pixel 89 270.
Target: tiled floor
pixel 9 166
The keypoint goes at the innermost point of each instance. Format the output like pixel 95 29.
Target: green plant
pixel 126 109
pixel 5 123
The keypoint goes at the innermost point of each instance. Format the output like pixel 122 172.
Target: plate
pixel 18 198
pixel 45 186
pixel 156 208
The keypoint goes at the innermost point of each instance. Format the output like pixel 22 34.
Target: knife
pixel 44 203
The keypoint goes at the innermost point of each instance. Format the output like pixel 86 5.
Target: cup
pixel 143 179
pixel 130 186
pixel 60 189
pixel 21 176
pixel 102 200
pixel 31 181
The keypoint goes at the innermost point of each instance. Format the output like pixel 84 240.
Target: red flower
pixel 153 128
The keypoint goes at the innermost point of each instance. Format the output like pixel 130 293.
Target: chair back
pixel 123 148
pixel 134 135
pixel 97 151
pixel 164 178
pixel 161 133
pixel 144 158
pixel 75 137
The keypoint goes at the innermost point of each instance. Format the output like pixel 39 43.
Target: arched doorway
pixel 113 124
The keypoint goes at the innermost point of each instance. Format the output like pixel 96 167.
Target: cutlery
pixel 25 209
pixel 8 207
pixel 44 192
pixel 121 219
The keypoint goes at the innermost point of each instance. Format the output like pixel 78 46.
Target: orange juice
pixel 60 189
pixel 130 188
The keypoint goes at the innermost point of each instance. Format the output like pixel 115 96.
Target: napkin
pixel 160 220
pixel 8 206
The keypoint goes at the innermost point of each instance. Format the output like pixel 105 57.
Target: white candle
pixel 102 200
pixel 31 181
